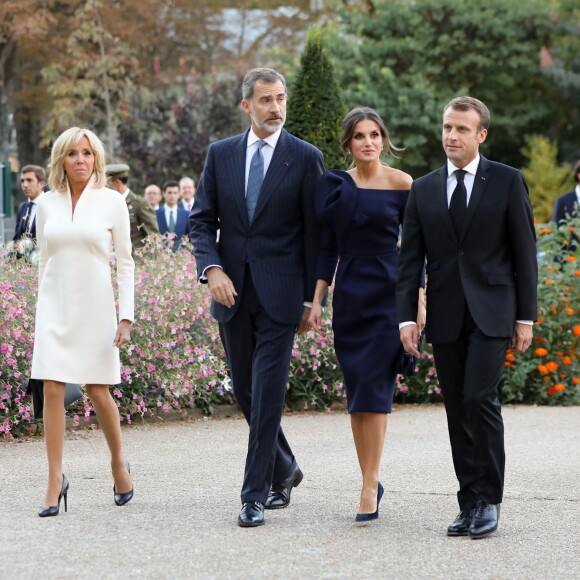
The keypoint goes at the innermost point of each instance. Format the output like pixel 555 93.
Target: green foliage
pixel 93 81
pixel 408 59
pixel 167 135
pixel 546 178
pixel 316 108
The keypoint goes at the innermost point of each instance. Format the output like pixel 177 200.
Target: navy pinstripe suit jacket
pixel 279 246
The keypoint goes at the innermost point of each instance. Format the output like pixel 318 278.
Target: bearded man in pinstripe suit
pixel 257 189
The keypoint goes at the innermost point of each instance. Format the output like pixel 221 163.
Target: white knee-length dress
pixel 76 317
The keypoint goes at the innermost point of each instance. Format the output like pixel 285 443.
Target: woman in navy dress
pixel 361 211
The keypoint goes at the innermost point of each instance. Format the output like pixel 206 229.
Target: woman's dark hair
pixel 357 115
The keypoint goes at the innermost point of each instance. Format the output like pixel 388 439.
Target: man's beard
pixel 270 126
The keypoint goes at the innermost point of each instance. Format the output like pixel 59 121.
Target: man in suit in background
pixel 472 221
pixel 172 218
pixel 187 193
pixel 568 203
pixel 153 195
pixel 141 215
pixel 32 180
pixel 258 189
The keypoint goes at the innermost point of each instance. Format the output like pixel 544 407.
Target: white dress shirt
pixel 578 193
pixel 469 178
pixel 168 211
pixel 267 151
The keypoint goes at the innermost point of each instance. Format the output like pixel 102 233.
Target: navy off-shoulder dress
pixel 360 229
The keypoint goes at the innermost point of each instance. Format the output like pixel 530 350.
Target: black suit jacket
pixel 279 246
pixel 492 265
pixel 20 219
pixel 564 206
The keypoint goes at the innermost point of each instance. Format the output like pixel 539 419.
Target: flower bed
pixel 176 360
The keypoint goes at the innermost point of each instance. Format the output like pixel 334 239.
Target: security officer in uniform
pixel 141 214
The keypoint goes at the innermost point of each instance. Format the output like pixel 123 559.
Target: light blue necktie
pixel 255 179
pixel 171 221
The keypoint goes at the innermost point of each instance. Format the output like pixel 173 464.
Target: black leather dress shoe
pixel 251 515
pixel 485 520
pixel 280 493
pixel 460 527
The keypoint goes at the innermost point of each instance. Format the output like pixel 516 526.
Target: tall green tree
pixel 407 59
pixel 316 107
pixel 547 179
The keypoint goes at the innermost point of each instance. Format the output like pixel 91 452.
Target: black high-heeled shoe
pixel 52 510
pixel 123 498
pixel 375 514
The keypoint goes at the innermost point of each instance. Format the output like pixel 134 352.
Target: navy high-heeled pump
pixel 123 498
pixel 52 510
pixel 375 514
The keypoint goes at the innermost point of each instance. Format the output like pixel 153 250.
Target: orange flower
pixel 552 391
pixel 543 369
pixel 554 310
pixel 538 339
pixel 559 353
pixel 508 364
pixel 571 258
pixel 567 360
pixel 576 330
pixel 576 272
pixel 549 281
pixel 509 356
pixel 570 229
pixel 547 378
pixel 539 320
pixel 552 366
pixel 550 268
pixel 560 387
pixel 543 351
pixel 576 380
pixel 546 231
pixel 562 375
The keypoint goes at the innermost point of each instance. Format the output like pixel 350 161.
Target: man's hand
pixel 220 286
pixel 304 324
pixel 410 337
pixel 522 337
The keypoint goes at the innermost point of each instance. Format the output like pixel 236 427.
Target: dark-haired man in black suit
pixel 568 203
pixel 472 221
pixel 32 180
pixel 257 189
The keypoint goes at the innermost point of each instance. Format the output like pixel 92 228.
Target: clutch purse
pixel 407 364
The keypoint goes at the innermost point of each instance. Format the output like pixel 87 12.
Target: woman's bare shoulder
pixel 398 179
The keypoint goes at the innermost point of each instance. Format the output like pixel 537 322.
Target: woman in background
pixel 77 337
pixel 361 211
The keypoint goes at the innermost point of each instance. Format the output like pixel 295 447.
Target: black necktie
pixel 458 203
pixel 27 218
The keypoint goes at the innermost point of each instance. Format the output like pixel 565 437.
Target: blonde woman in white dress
pixel 77 337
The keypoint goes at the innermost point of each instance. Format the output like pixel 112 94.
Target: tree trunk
pixel 7 51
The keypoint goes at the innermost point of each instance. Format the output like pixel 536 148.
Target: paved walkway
pixel 182 522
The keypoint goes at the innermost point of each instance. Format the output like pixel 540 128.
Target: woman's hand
pixel 123 334
pixel 315 319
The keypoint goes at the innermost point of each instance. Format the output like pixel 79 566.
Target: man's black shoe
pixel 280 493
pixel 251 515
pixel 460 527
pixel 485 520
